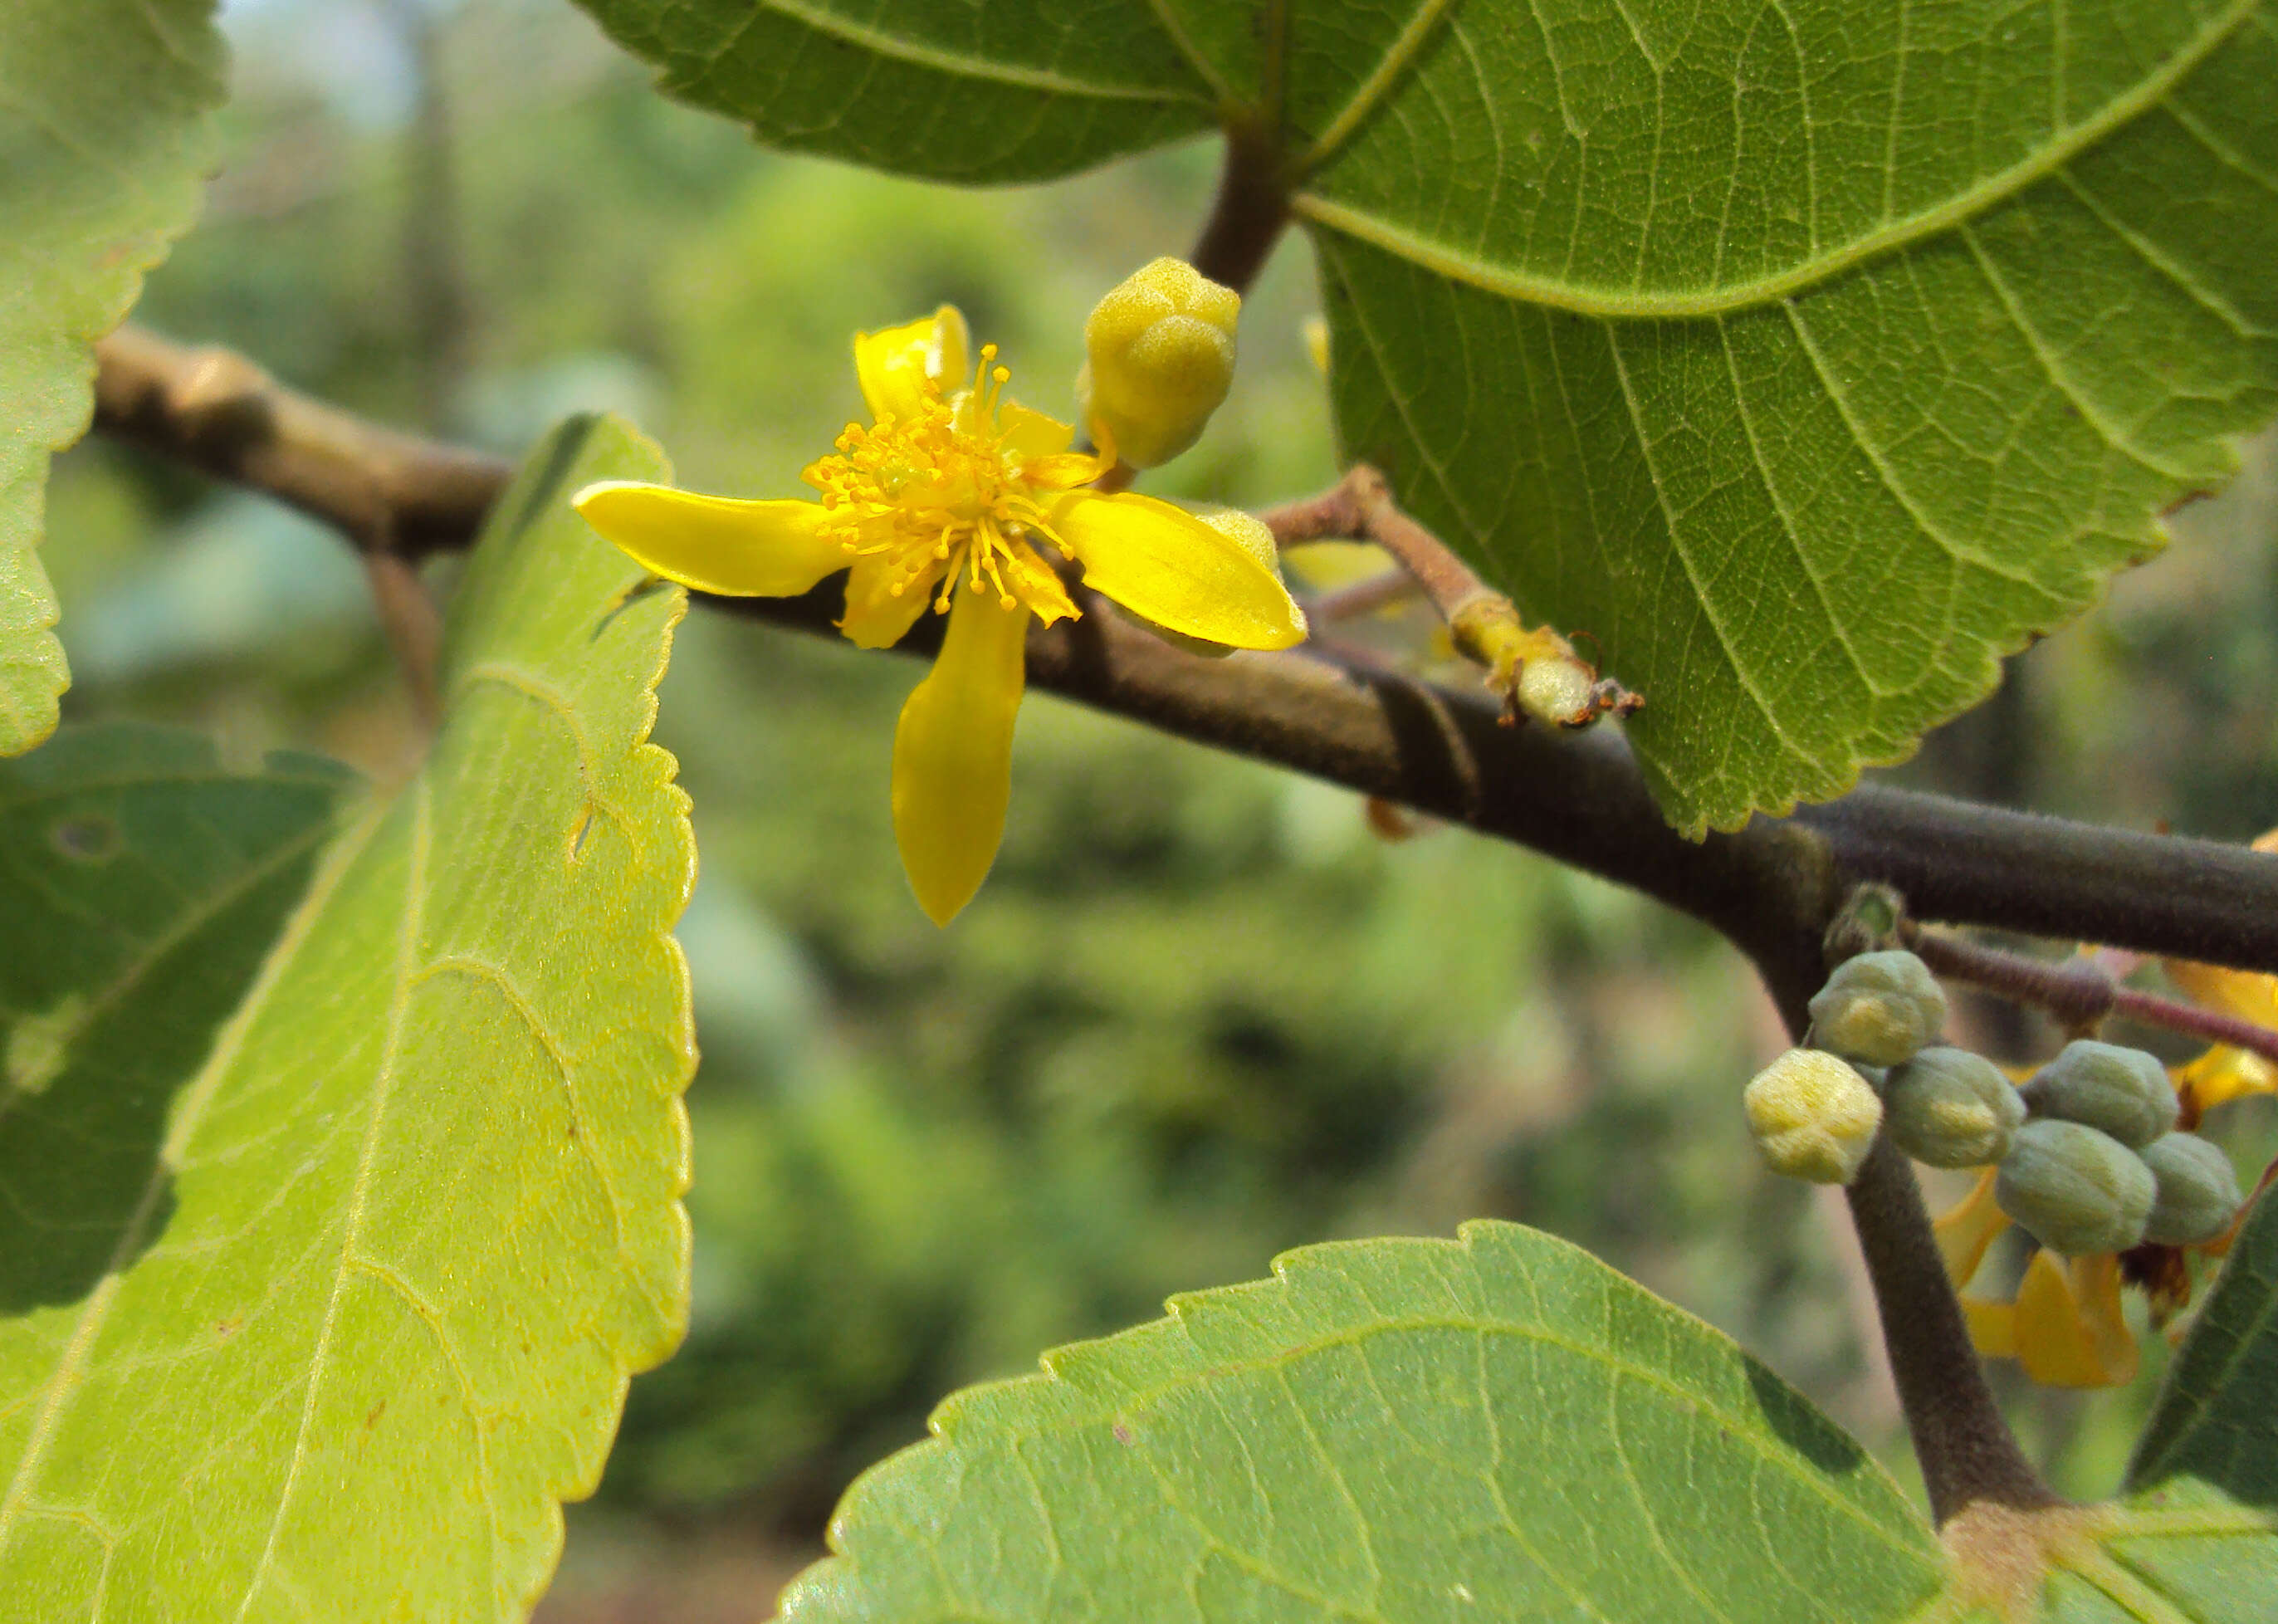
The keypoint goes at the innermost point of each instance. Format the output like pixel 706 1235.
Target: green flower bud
pixel 2198 1191
pixel 1951 1108
pixel 1878 1009
pixel 1813 1116
pixel 1158 356
pixel 2078 1190
pixel 2124 1093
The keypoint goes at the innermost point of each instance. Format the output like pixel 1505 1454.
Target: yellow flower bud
pixel 1813 1116
pixel 1158 357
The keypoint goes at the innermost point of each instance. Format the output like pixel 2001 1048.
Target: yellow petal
pixel 954 753
pixel 745 549
pixel 2096 1285
pixel 1028 433
pixel 1968 1228
pixel 875 618
pixel 895 366
pixel 2243 993
pixel 2221 1074
pixel 1163 563
pixel 2069 1332
pixel 1992 1327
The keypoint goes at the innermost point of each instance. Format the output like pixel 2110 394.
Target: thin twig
pixel 2078 993
pixel 1533 669
pixel 1361 597
pixel 1968 1454
pixel 413 626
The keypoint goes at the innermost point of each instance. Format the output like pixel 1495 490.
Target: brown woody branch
pixel 1580 799
pixel 1770 887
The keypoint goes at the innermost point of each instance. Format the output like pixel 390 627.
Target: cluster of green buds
pixel 2101 1167
pixel 2087 1154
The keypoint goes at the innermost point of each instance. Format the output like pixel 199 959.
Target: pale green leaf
pixel 104 140
pixel 1498 1428
pixel 1809 358
pixel 415 1216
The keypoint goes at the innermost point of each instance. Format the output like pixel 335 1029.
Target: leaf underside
pixel 1497 1428
pixel 1809 357
pixel 104 141
pixel 398 1234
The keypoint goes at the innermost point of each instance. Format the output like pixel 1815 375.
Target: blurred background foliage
pixel 1202 1011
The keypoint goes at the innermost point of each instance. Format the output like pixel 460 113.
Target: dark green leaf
pixel 1809 357
pixel 143 885
pixel 2215 1420
pixel 956 91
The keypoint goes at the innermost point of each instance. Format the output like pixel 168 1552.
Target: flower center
pixel 935 495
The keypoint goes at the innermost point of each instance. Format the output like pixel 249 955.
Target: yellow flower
pixel 945 499
pixel 2065 1325
pixel 2224 1073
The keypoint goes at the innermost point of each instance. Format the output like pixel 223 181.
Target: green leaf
pixel 414 1217
pixel 2195 1537
pixel 955 91
pixel 1498 1428
pixel 142 885
pixel 104 140
pixel 2215 1420
pixel 1809 358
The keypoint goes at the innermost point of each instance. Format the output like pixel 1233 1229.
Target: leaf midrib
pixel 1608 304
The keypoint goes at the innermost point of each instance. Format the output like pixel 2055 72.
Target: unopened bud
pixel 1951 1108
pixel 2124 1093
pixel 2078 1191
pixel 1878 1009
pixel 1562 691
pixel 1813 1115
pixel 1158 356
pixel 2198 1194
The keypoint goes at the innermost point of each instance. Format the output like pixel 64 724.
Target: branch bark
pixel 1770 887
pixel 1580 798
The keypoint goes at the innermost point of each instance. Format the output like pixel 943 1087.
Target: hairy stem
pixel 1250 213
pixel 2078 993
pixel 1968 1454
pixel 1483 624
